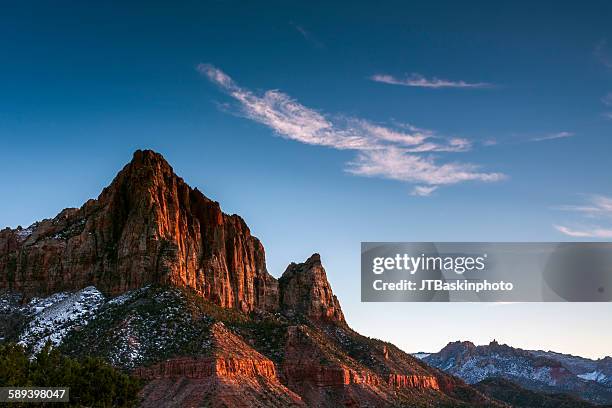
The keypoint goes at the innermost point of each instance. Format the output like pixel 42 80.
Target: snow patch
pixel 55 316
pixel 24 233
pixel 596 376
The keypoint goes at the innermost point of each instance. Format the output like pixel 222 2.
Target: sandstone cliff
pixel 305 290
pixel 232 374
pixel 148 226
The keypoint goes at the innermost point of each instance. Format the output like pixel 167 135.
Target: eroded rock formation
pixel 148 226
pixel 231 373
pixel 305 290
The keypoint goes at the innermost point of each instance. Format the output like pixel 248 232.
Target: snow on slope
pixel 597 376
pixel 54 316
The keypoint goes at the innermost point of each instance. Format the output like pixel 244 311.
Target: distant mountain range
pixel 542 371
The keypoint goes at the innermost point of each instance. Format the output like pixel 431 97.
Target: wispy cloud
pixel 420 81
pixel 603 54
pixel 393 163
pixel 307 35
pixel 423 191
pixel 585 233
pixel 392 153
pixel 558 135
pixel 607 101
pixel 597 206
pixel 490 142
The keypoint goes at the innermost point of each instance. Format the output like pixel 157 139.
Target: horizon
pixel 323 130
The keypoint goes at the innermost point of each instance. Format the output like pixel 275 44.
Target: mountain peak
pixel 147 226
pixel 314 259
pixel 305 290
pixel 147 156
pixel 149 162
pixel 145 166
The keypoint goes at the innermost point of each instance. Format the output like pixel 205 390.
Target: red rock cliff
pixel 148 226
pixel 304 289
pixel 227 356
pixel 232 374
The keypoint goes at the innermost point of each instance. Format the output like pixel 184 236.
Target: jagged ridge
pixel 538 371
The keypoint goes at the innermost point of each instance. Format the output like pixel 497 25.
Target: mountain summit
pixel 154 278
pixel 147 226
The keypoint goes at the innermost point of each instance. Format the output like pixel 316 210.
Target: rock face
pixel 148 226
pixel 304 290
pixel 309 359
pixel 232 374
pixel 330 365
pixel 226 355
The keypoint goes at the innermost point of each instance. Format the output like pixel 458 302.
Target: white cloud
pixel 392 153
pixel 420 81
pixel 423 191
pixel 307 35
pixel 585 233
pixel 602 53
pixel 597 206
pixel 390 135
pixel 607 99
pixel 559 135
pixel 395 164
pixel 490 142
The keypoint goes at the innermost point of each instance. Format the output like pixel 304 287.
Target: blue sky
pixel 325 125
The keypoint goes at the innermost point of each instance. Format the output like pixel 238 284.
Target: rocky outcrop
pixel 413 381
pixel 188 367
pixel 315 363
pixel 305 290
pixel 230 374
pixel 148 226
pixel 226 355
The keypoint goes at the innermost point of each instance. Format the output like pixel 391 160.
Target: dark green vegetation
pixel 149 325
pixel 92 382
pixel 519 397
